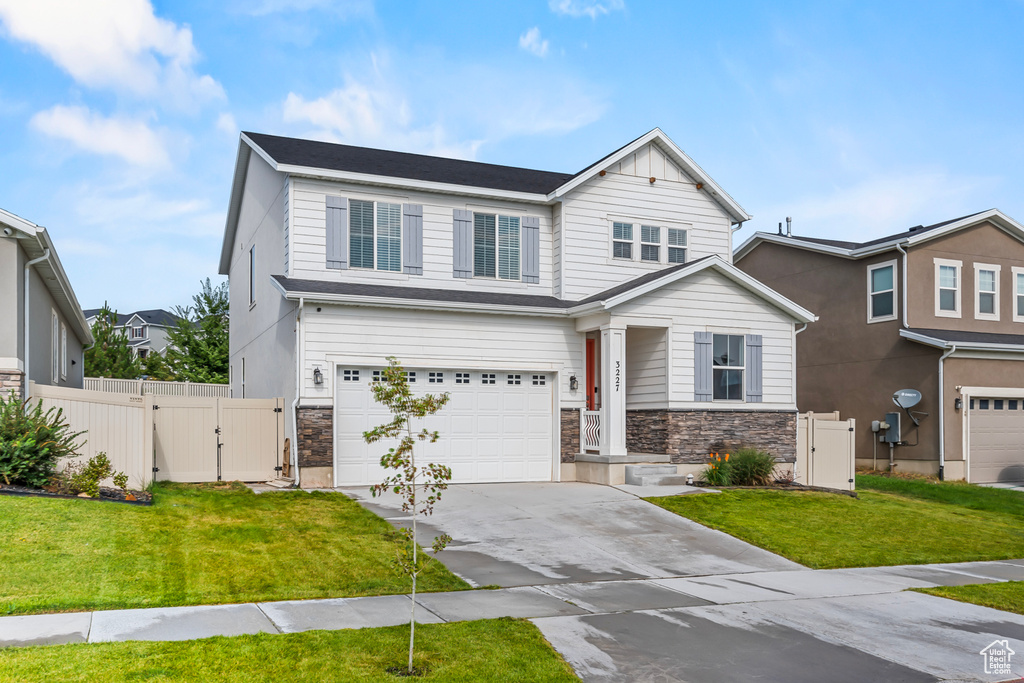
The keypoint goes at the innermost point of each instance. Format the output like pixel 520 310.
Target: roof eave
pixel 959 345
pixel 719 195
pixel 394 302
pixel 245 147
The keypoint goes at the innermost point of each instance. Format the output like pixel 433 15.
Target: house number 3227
pixel 618 374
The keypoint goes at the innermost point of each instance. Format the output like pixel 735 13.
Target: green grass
pixel 960 493
pixel 825 530
pixel 493 650
pixel 1007 596
pixel 198 544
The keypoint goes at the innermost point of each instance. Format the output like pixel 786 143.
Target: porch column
pixel 613 389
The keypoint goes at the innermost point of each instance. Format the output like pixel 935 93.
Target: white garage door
pixel 496 427
pixel 996 440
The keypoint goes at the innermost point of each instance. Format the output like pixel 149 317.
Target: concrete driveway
pixel 535 534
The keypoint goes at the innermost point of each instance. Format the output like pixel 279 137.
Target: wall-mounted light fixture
pixel 700 186
pixel 574 383
pixel 318 377
pixel 652 179
pixel 958 403
pixel 602 173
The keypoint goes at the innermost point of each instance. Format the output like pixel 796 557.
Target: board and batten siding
pixel 308 236
pixel 474 341
pixel 710 302
pixel 587 214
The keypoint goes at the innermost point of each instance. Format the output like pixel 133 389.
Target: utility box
pixel 893 433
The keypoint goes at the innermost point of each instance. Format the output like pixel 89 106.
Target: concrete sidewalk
pixel 546 603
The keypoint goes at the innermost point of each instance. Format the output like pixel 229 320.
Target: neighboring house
pixel 938 303
pixel 528 295
pixel 42 328
pixel 146 330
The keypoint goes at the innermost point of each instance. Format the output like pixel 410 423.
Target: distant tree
pixel 110 355
pixel 154 366
pixel 197 348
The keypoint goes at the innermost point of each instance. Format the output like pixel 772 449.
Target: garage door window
pixel 540 380
pixel 488 378
pixel 435 377
pixel 350 375
pixel 515 379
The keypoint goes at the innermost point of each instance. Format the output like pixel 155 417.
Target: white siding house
pixel 541 301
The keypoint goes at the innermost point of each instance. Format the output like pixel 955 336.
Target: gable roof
pixel 154 316
pixel 438 174
pixel 36 242
pixel 363 294
pixel 910 237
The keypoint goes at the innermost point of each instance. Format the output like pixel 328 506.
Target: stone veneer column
pixel 570 434
pixel 316 437
pixel 11 381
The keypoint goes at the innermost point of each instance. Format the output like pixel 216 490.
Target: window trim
pixel 939 313
pixel 742 369
pixel 895 292
pixel 631 241
pixel 685 247
pixel 637 242
pixel 252 276
pixel 997 270
pixel 63 351
pixel 1017 272
pixel 497 246
pixel 54 346
pixel 373 239
pixel 657 244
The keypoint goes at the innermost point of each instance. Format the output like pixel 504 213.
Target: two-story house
pixel 938 309
pixel 146 331
pixel 42 329
pixel 579 321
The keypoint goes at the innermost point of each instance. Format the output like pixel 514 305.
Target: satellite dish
pixel 906 398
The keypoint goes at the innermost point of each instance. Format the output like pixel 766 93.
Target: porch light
pixel 318 377
pixel 574 383
pixel 958 403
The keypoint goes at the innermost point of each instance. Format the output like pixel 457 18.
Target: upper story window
pixel 947 288
pixel 1018 295
pixel 252 275
pixel 375 235
pixel 138 333
pixel 727 366
pixel 650 243
pixel 495 246
pixel 882 292
pixel 986 288
pixel 658 244
pixel 622 240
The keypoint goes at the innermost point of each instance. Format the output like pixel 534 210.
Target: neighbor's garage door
pixel 996 440
pixel 496 427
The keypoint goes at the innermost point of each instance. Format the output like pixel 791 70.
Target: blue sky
pixel 119 119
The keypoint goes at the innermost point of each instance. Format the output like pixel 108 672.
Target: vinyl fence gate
pixel 825 451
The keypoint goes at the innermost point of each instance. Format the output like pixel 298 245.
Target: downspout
pixel 25 316
pixel 942 415
pixel 899 248
pixel 795 462
pixel 298 391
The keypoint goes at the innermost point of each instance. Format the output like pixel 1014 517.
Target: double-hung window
pixel 676 245
pixel 986 288
pixel 1018 295
pixel 63 351
pixel 882 292
pixel 622 240
pixel 375 235
pixel 947 288
pixel 650 243
pixel 496 246
pixel 727 363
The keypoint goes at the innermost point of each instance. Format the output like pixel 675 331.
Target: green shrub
pixel 751 467
pixel 85 478
pixel 32 441
pixel 718 469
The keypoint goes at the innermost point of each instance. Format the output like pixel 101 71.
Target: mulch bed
pixel 107 494
pixel 788 486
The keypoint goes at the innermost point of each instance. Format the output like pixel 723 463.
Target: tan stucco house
pixel 938 309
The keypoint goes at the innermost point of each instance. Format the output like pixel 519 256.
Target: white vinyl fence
pixel 139 387
pixel 825 451
pixel 176 438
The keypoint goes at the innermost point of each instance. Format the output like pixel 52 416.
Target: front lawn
pixel 197 544
pixel 1008 596
pixel 960 493
pixel 826 531
pixel 493 650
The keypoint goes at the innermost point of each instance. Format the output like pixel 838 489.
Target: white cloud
pixel 226 124
pixel 880 205
pixel 117 44
pixel 130 214
pixel 342 8
pixel 363 115
pixel 586 8
pixel 131 140
pixel 531 42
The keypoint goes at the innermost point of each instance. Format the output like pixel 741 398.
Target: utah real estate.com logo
pixel 997 657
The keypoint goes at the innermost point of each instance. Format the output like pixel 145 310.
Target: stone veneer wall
pixel 570 434
pixel 316 437
pixel 690 435
pixel 11 380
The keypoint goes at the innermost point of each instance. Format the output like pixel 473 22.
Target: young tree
pixel 110 355
pixel 197 349
pixel 393 391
